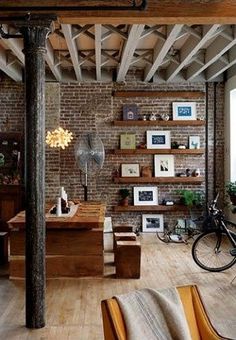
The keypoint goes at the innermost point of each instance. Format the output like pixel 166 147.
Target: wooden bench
pixel 128 259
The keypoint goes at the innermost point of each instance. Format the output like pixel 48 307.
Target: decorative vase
pixel 146 171
pixel 124 202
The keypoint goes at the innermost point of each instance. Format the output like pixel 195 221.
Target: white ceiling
pixel 98 52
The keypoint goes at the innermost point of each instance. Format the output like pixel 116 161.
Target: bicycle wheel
pixel 211 251
pixel 164 237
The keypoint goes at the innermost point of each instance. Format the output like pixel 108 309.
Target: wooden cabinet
pixel 11 176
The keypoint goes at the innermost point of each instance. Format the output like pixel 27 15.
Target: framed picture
pixel 164 165
pixel 130 170
pixel 184 111
pixel 152 223
pixel 194 142
pixel 130 112
pixel 158 139
pixel 145 196
pixel 127 141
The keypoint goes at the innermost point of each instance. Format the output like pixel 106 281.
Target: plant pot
pixel 233 199
pixel 124 202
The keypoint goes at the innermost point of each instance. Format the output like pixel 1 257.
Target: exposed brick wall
pixel 86 107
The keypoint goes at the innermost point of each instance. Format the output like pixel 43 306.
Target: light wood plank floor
pixel 73 305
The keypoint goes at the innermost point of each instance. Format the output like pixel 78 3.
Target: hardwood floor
pixel 73 305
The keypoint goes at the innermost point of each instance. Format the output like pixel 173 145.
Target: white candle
pixel 58 206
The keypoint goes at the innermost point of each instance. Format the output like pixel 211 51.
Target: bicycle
pixel 177 234
pixel 215 249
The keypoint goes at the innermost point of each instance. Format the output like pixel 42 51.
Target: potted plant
pixel 124 193
pixel 191 198
pixel 231 191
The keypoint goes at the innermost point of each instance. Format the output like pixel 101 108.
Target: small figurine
pixel 152 116
pixel 188 172
pixel 164 116
pixel 196 172
pixel 144 117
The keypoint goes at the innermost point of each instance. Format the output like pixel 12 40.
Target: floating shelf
pixel 157 151
pixel 160 180
pixel 159 123
pixel 161 94
pixel 156 208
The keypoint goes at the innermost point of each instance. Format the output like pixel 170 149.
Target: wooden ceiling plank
pixel 12 70
pixel 189 49
pixel 98 49
pixel 128 50
pixel 117 31
pixel 216 49
pixel 72 47
pixel 161 49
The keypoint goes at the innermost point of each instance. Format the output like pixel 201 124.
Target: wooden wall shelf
pixel 157 151
pixel 126 123
pixel 161 94
pixel 159 180
pixel 156 208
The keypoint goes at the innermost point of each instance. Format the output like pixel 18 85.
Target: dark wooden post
pixel 35 32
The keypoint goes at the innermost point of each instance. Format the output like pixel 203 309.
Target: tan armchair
pixel 199 324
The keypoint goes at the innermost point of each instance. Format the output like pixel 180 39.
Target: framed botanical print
pixel 194 142
pixel 127 141
pixel 158 140
pixel 164 165
pixel 130 170
pixel 152 223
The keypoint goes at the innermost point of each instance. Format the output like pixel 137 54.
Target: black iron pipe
pixel 206 148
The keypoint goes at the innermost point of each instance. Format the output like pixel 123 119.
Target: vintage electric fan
pixel 89 155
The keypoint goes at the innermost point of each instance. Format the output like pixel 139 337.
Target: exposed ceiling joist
pixel 161 49
pixel 216 49
pixel 221 66
pixel 72 47
pixel 116 30
pixel 128 50
pixel 189 49
pixel 12 70
pixel 15 45
pixel 50 59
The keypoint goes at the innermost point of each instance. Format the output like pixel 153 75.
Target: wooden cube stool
pixel 123 237
pixel 121 229
pixel 3 247
pixel 128 259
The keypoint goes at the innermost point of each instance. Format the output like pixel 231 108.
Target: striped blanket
pixel 154 315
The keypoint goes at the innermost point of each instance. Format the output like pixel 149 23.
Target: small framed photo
pixel 164 165
pixel 158 140
pixel 184 111
pixel 130 170
pixel 194 142
pixel 127 141
pixel 152 223
pixel 130 112
pixel 145 196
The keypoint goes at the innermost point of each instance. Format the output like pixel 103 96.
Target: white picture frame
pixel 194 142
pixel 152 223
pixel 130 170
pixel 164 166
pixel 158 139
pixel 145 195
pixel 184 110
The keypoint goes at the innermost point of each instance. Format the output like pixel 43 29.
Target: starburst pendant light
pixel 59 138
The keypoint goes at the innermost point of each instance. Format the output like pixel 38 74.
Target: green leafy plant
pixel 231 188
pixel 124 193
pixel 191 198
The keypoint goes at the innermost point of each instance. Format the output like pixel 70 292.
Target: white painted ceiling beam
pixel 72 47
pixel 216 49
pixel 189 49
pixel 50 59
pixel 128 50
pixel 161 49
pixel 221 66
pixel 15 45
pixel 12 70
pixel 98 50
pixel 117 31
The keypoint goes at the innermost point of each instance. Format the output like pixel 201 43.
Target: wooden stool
pixel 128 259
pixel 121 229
pixel 3 247
pixel 123 237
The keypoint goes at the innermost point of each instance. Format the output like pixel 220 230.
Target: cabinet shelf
pixel 157 151
pixel 159 180
pixel 156 208
pixel 127 123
